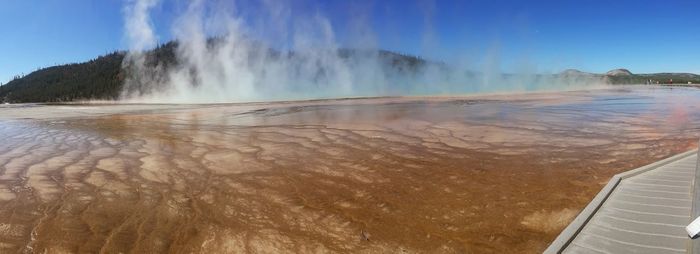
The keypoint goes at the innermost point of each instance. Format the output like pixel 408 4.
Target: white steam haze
pixel 285 55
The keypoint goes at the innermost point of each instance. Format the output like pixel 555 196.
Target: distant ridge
pixel 619 72
pixel 102 78
pixel 574 72
pixel 624 76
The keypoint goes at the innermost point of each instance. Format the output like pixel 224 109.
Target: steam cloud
pixel 221 56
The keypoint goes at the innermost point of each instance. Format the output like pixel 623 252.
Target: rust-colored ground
pixel 489 174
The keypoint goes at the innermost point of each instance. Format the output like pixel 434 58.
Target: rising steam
pixel 220 56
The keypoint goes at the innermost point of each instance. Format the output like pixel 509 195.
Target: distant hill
pixel 626 77
pixel 623 76
pixel 102 78
pixel 619 72
pixel 577 73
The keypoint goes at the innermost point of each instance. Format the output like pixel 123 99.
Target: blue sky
pixel 643 36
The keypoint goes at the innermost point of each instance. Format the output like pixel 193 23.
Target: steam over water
pixel 282 53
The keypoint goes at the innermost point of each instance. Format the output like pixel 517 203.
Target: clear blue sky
pixel 641 35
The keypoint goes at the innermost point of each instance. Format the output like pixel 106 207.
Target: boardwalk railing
pixel 575 227
pixel 694 246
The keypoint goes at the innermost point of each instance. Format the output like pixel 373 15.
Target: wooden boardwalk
pixel 640 211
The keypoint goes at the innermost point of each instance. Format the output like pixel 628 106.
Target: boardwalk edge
pixel 571 231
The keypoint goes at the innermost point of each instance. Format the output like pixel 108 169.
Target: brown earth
pixel 440 174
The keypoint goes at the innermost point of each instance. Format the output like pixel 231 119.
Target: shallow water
pixel 441 174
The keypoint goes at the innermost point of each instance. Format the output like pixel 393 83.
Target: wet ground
pixel 440 174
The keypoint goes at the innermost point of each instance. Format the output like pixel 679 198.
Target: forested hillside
pixel 103 78
pixel 100 78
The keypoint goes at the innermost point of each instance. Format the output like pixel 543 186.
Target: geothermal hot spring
pixel 414 174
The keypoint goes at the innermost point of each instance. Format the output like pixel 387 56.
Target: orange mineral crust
pixel 414 174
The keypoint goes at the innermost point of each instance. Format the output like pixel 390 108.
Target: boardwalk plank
pixel 660 227
pixel 651 219
pixel 634 197
pixel 617 246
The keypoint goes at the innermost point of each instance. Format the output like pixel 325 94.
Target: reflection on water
pixel 376 175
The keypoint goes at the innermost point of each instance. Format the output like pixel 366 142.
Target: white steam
pixel 139 30
pixel 220 56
